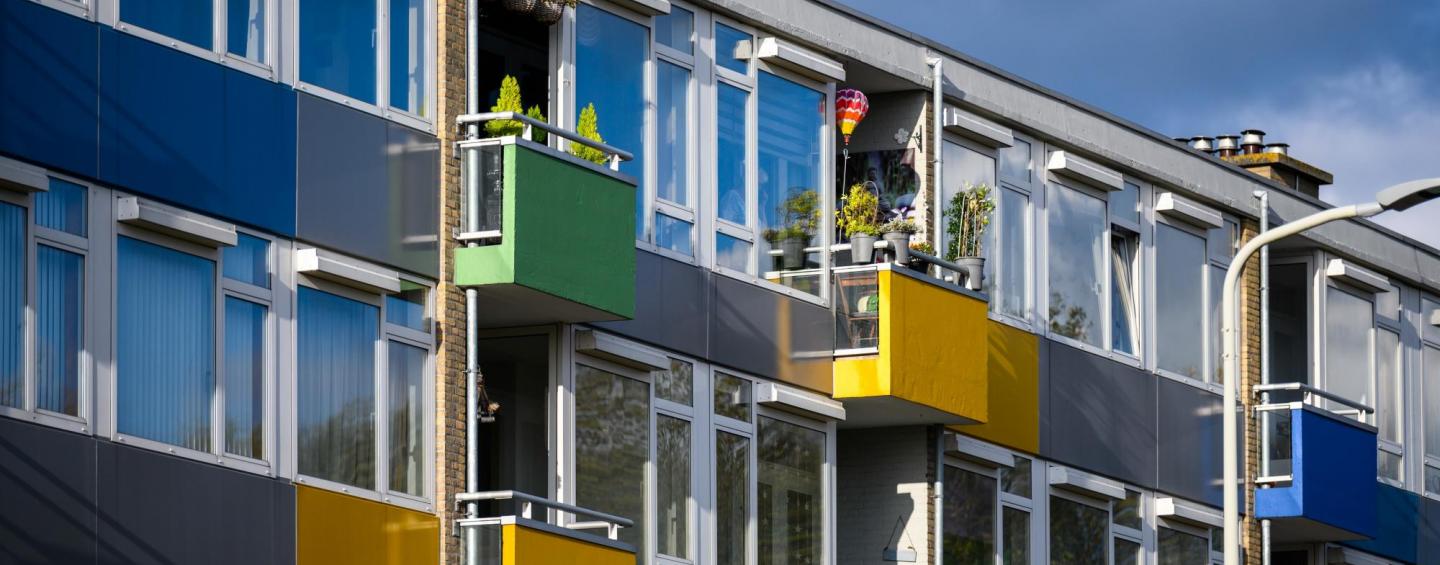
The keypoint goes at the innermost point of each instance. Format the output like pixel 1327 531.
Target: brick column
pixel 1250 342
pixel 449 300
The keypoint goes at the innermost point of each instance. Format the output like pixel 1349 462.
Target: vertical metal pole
pixel 939 549
pixel 471 175
pixel 937 108
pixel 1264 196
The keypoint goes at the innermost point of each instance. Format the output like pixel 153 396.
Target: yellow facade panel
pixel 529 546
pixel 337 528
pixel 1014 372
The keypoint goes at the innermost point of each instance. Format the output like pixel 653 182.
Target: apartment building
pixel 299 296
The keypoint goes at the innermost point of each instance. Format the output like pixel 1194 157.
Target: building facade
pixel 262 257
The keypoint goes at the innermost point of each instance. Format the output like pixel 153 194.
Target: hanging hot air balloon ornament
pixel 850 107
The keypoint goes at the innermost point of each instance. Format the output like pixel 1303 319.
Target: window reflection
pixel 1077 228
pixel 612 446
pixel 12 304
pixel 335 374
pixel 610 54
pixel 791 123
pixel 969 537
pixel 337 46
pixel 1179 298
pixel 1180 548
pixel 1077 533
pixel 732 494
pixel 791 504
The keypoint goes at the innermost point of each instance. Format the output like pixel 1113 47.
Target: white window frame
pixel 748 83
pixel 1043 277
pixel 1429 462
pixel 387 333
pixel 1033 191
pixel 661 53
pixel 35 236
pixel 1137 273
pixel 1322 334
pixel 1396 325
pixel 109 13
pixel 1005 499
pixel 1207 368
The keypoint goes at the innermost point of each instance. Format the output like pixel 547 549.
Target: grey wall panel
pixel 1190 441
pixel 1428 536
pixel 155 508
pixel 671 305
pixel 365 186
pixel 771 335
pixel 1101 416
pixel 47 495
pixel 1043 384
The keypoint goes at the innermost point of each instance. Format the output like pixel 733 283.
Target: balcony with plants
pixel 547 223
pixel 911 328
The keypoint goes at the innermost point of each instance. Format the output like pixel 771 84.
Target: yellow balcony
pixel 517 538
pixel 910 349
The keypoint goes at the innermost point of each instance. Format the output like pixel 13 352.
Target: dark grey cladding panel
pixel 771 335
pixel 1101 416
pixel 1190 442
pixel 47 495
pixel 1428 534
pixel 367 187
pixel 155 508
pixel 671 301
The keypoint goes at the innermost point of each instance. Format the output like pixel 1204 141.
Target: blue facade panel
pixel 48 67
pixel 174 126
pixel 1397 524
pixel 1334 476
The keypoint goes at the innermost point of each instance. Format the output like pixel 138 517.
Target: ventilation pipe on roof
pixel 1227 145
pixel 1252 141
pixel 1278 148
pixel 1203 143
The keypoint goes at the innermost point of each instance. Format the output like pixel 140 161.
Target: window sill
pixel 1214 388
pixel 396 116
pixel 66 423
pixel 78 10
pixel 251 466
pixel 775 287
pixel 226 59
pixel 403 501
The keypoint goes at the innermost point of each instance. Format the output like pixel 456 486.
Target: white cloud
pixel 1372 127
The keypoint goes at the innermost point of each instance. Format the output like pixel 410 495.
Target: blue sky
pixel 1352 85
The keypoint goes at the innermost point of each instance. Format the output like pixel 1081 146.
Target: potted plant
pixel 801 213
pixel 856 220
pixel 588 128
pixel 897 233
pixel 966 217
pixel 550 11
pixel 916 262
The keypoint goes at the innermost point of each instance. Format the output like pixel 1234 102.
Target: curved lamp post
pixel 1398 197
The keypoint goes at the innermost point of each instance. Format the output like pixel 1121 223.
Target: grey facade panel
pixel 366 187
pixel 47 495
pixel 1428 537
pixel 671 302
pixel 156 508
pixel 770 334
pixel 1101 416
pixel 1190 442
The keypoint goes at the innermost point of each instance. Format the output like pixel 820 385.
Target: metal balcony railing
pixel 1276 402
pixel 856 292
pixel 488 529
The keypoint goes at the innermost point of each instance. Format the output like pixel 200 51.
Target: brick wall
pixel 883 493
pixel 1250 340
pixel 450 301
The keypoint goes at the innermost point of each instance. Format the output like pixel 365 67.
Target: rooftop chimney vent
pixel 1252 140
pixel 1227 145
pixel 1202 143
pixel 1278 148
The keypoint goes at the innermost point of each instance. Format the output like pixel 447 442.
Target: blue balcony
pixel 1318 472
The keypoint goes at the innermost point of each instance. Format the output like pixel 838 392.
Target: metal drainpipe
pixel 472 223
pixel 1264 196
pixel 937 101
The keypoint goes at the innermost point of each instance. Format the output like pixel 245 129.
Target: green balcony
pixel 546 237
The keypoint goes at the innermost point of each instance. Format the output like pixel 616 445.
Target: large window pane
pixel 792 119
pixel 1015 526
pixel 337 46
pixel 59 329
pixel 12 305
pixel 1348 322
pixel 1289 323
pixel 610 53
pixel 165 344
pixel 729 44
pixel 1077 231
pixel 730 130
pixel 1077 533
pixel 407 418
pixel 969 523
pixel 244 378
pixel 248 261
pixel 407 56
pixel 62 207
pixel 965 167
pixel 336 342
pixel 672 474
pixel 673 122
pixel 732 494
pixel 1179 301
pixel 1124 308
pixel 1013 254
pixel 612 446
pixel 791 505
pixel 245 29
pixel 1179 548
pixel 1389 382
pixel 186 20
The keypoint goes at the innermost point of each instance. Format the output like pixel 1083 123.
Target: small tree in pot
pixel 801 213
pixel 966 218
pixel 856 220
pixel 897 234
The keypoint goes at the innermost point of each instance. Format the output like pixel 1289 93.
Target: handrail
pixel 544 502
pixel 615 154
pixel 1310 390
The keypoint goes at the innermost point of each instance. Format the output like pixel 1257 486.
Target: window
pixel 674 442
pixel 1430 392
pixel 1077 226
pixel 732 495
pixel 1179 301
pixel 1011 286
pixel 1182 548
pixel 612 446
pixel 1289 322
pixel 729 44
pixel 1078 532
pixel 733 243
pixel 1127 519
pixel 965 167
pixel 987 512
pixel 610 59
pixel 790 493
pixel 1390 366
pixel 1349 322
pixel 791 123
pixel 12 305
pixel 1124 265
pixel 235 32
pixel 342 41
pixel 363 395
pixel 674 202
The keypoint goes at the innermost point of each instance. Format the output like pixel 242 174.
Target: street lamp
pixel 1398 197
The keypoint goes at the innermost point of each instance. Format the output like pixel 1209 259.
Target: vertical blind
pixel 407 424
pixel 12 304
pixel 244 378
pixel 59 329
pixel 336 380
pixel 165 337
